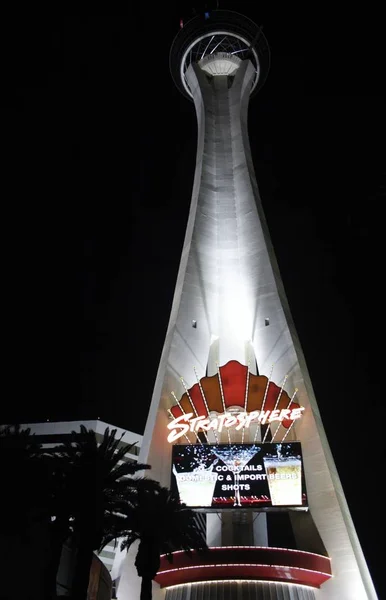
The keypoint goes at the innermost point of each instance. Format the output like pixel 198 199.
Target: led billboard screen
pixel 233 475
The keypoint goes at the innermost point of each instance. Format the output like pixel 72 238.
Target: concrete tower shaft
pixel 224 267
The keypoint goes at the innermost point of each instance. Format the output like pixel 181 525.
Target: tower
pixel 232 375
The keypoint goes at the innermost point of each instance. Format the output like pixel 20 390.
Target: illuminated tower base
pixel 231 348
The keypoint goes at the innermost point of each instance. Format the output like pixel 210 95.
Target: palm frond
pixel 127 468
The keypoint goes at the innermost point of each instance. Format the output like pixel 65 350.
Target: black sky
pixel 100 164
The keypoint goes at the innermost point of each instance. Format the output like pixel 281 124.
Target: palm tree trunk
pixel 58 536
pixel 146 588
pixel 82 572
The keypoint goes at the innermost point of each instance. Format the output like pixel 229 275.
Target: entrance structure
pixel 233 423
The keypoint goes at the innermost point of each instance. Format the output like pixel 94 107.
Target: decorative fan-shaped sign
pixel 235 386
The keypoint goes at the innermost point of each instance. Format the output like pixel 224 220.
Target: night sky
pixel 99 171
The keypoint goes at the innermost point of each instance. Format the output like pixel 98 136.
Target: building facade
pixel 233 396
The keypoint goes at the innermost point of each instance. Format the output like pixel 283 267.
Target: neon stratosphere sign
pixel 184 423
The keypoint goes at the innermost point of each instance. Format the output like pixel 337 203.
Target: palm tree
pixel 154 516
pixel 21 470
pixel 25 498
pixel 93 490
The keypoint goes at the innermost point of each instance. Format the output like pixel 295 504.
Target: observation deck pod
pixel 224 32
